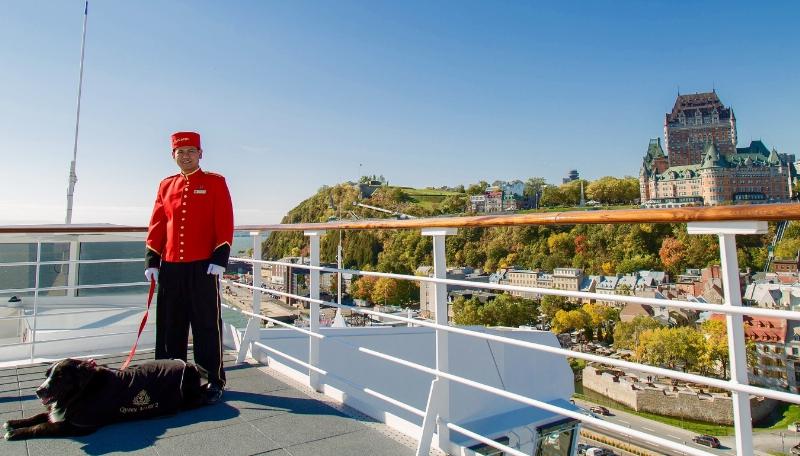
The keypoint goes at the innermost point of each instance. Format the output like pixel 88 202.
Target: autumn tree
pixel 362 288
pixel 673 255
pixel 393 292
pixel 569 320
pixel 716 336
pixel 600 316
pixel 674 347
pixel 716 345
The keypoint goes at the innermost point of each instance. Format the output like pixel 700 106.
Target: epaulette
pixel 170 177
pixel 214 174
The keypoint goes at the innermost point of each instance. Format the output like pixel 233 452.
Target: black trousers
pixel 188 296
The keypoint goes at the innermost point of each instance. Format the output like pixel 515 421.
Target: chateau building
pixel 695 121
pixel 704 166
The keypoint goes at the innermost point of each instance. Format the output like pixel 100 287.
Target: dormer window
pixel 715 116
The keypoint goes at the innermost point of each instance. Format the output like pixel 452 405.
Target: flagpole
pixel 73 178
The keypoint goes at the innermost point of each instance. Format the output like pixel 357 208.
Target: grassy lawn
pixel 427 198
pixel 427 192
pixel 698 427
pixel 790 413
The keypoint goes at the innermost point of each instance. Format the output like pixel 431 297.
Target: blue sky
pixel 290 96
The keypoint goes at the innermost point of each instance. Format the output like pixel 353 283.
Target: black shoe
pixel 213 394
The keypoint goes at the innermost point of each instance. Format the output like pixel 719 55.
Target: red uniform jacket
pixel 192 220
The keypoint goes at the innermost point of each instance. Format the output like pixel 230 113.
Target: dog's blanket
pixel 139 392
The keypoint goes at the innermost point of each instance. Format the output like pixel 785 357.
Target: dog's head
pixel 65 379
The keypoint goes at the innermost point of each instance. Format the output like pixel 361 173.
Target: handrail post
pixel 313 317
pixel 727 231
pixel 438 409
pixel 72 267
pixel 253 324
pixel 36 298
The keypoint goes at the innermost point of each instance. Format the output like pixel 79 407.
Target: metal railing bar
pixel 81 312
pixel 346 381
pixel 290 358
pixel 60 262
pixel 715 308
pixel 538 404
pixel 277 322
pixel 486 440
pixel 66 339
pixel 78 287
pixel 723 384
pixel 395 402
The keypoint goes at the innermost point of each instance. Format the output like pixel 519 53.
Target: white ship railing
pixel 32 318
pixel 724 222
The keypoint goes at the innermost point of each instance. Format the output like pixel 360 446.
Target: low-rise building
pixel 777 343
pixel 427 291
pixel 527 278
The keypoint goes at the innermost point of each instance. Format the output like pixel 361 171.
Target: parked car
pixel 795 426
pixel 600 410
pixel 707 440
pixel 581 449
pixel 795 450
pixel 594 451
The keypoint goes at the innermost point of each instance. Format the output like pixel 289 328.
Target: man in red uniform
pixel 188 244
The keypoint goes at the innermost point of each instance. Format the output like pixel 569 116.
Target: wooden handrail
pixel 762 212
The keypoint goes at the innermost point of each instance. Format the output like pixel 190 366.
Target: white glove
pixel 216 270
pixel 151 274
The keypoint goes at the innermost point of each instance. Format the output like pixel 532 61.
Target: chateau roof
pixel 755 147
pixel 654 149
pixel 712 158
pixel 705 102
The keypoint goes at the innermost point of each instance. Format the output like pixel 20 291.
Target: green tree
pixel 627 334
pixel 454 204
pixel 477 189
pixel 534 186
pixel 552 196
pixel 549 305
pixel 466 312
pixel 504 310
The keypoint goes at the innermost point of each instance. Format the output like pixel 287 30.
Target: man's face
pixel 187 158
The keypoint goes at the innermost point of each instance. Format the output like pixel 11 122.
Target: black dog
pixel 81 396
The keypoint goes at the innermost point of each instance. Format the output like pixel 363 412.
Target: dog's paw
pixel 12 434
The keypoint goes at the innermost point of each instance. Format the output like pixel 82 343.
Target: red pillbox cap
pixel 185 138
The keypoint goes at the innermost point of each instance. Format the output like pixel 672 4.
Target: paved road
pixel 654 427
pixel 765 442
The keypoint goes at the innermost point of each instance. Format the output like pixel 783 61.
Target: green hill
pixel 598 249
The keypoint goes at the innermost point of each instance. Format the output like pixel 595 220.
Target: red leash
pixel 141 325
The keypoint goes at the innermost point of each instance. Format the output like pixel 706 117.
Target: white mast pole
pixel 73 178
